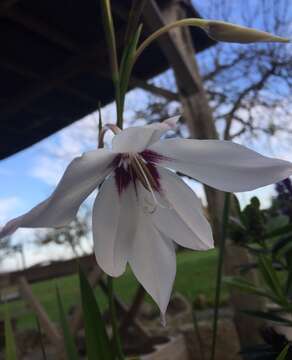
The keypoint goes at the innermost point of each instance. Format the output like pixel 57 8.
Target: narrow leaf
pixel 70 346
pixel 109 31
pixel 284 353
pixel 289 282
pixel 282 244
pixel 283 230
pixel 270 276
pixel 10 346
pixel 127 62
pixel 97 341
pixel 134 18
pixel 268 316
pixel 248 287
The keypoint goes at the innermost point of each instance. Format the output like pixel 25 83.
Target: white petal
pixel 137 138
pixel 183 220
pixel 223 165
pixel 81 177
pixel 153 261
pixel 114 226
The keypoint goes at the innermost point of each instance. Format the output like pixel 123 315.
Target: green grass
pixel 195 275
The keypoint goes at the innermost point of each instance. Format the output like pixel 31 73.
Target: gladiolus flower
pixel 142 207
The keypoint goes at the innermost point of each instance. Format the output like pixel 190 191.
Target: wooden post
pixel 199 118
pixel 50 329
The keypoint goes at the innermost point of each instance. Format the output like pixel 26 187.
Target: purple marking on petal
pixel 152 157
pixel 123 178
pixel 125 172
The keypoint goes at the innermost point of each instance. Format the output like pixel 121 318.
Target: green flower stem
pixel 110 38
pixel 113 56
pixel 216 30
pixel 112 309
pixel 220 271
pixel 184 22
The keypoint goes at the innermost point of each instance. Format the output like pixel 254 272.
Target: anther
pixel 149 186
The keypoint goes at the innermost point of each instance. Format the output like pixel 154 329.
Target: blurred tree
pixel 73 236
pixel 248 87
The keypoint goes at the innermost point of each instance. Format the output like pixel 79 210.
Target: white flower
pixel 142 207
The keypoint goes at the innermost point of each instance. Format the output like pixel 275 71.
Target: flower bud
pixel 227 32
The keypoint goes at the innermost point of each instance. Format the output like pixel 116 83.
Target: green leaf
pixel 10 346
pixel 127 62
pixel 269 274
pixel 283 354
pixel 268 316
pixel 97 341
pixel 282 245
pixel 289 282
pixel 277 222
pixel 134 18
pixel 70 346
pixel 283 230
pixel 248 287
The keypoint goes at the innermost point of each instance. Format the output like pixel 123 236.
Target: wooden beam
pixel 18 69
pixel 24 71
pixel 76 64
pixel 4 4
pixel 134 82
pixel 72 67
pixel 50 329
pixel 40 27
pixel 154 20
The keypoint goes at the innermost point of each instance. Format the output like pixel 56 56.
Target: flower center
pixel 137 167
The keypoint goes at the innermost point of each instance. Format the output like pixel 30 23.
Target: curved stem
pixel 184 22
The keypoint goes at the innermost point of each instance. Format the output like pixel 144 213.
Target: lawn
pixel 195 275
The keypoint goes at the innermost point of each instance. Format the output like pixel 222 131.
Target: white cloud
pixel 48 169
pixel 8 207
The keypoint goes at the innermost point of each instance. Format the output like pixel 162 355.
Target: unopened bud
pixel 227 32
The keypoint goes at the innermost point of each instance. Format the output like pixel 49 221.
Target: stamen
pixel 149 186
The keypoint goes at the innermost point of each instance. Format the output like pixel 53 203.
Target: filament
pixel 150 187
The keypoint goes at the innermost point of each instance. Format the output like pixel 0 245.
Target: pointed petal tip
pixel 172 121
pixel 163 319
